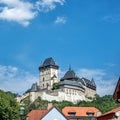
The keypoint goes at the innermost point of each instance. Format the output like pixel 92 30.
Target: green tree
pixel 9 109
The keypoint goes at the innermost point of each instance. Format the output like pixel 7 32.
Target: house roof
pixel 113 111
pixel 51 114
pixel 117 89
pixel 36 114
pixel 80 111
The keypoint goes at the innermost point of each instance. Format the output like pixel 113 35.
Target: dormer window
pixel 90 114
pixel 72 113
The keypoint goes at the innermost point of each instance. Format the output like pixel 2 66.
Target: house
pixel 81 113
pixel 36 114
pixel 51 114
pixel 111 115
pixel 54 114
pixel 116 94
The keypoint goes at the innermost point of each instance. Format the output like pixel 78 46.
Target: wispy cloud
pixel 112 18
pixel 110 64
pixel 22 12
pixel 47 5
pixel 60 20
pixel 15 79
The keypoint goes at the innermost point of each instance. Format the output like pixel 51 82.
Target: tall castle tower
pixel 48 73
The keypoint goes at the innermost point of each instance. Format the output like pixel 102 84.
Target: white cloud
pixel 17 11
pixel 105 85
pixel 22 12
pixel 15 79
pixel 60 20
pixel 47 5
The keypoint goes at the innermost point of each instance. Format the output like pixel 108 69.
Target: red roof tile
pixel 36 114
pixel 112 111
pixel 80 111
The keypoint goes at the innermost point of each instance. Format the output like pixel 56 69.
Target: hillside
pixel 104 103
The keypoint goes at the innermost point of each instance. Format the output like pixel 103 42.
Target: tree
pixel 9 108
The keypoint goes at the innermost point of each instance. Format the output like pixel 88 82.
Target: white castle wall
pixel 89 92
pixel 60 97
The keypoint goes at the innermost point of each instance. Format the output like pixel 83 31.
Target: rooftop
pixel 36 114
pixel 70 74
pixel 80 111
pixel 49 62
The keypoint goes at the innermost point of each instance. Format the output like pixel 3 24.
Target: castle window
pixel 43 79
pixel 43 85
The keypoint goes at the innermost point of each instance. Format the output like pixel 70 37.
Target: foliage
pixel 56 85
pixel 9 109
pixel 104 104
pixel 39 104
pixel 62 104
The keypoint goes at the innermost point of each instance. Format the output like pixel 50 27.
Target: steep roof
pixel 113 111
pixel 36 114
pixel 80 111
pixel 54 114
pixel 69 75
pixel 116 94
pixel 34 87
pixel 90 82
pixel 49 62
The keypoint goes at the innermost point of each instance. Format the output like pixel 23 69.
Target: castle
pixel 69 87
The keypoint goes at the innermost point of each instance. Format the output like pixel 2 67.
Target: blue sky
pixel 80 33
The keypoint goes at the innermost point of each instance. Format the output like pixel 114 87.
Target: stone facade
pixel 71 88
pixel 48 74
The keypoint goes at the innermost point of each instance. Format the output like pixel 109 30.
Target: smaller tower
pixel 48 73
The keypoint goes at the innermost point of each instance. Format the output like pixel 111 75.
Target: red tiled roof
pixel 112 111
pixel 80 111
pixel 36 114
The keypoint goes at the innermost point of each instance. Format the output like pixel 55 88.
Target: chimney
pixel 50 105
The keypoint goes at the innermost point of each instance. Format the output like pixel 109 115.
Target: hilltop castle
pixel 69 87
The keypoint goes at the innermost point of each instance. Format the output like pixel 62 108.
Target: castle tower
pixel 48 73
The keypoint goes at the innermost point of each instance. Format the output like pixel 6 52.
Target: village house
pixel 52 113
pixel 67 113
pixel 81 113
pixel 111 115
pixel 116 94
